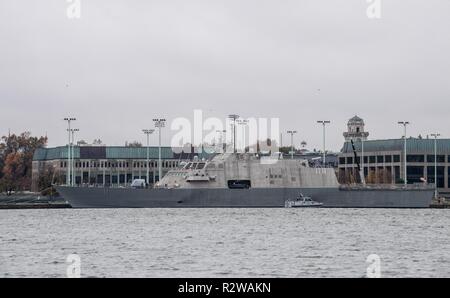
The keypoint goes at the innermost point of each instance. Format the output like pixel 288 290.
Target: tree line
pixel 16 157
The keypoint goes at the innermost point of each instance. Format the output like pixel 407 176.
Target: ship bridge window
pixel 239 184
pixel 200 165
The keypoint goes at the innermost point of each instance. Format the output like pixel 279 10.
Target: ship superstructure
pixel 245 170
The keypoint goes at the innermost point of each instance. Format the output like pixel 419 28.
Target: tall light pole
pixel 243 123
pixel 234 117
pixel 159 123
pixel 148 132
pixel 404 123
pixel 292 132
pixel 363 177
pixel 69 120
pixel 222 139
pixel 73 130
pixel 324 123
pixel 435 135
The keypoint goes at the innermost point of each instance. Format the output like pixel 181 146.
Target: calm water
pixel 225 242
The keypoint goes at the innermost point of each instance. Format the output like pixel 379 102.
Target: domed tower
pixel 355 130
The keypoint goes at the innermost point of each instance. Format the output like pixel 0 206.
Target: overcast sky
pixel 125 62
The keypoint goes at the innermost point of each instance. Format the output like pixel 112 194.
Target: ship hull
pixel 91 197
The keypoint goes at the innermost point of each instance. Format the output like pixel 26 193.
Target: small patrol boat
pixel 301 202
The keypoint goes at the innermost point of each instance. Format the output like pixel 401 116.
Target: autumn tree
pixel 47 178
pixel 16 157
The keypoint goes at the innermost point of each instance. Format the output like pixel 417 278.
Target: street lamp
pixel 404 123
pixel 292 132
pixel 363 177
pixel 324 123
pixel 73 130
pixel 159 123
pixel 222 139
pixel 148 132
pixel 234 117
pixel 243 123
pixel 68 119
pixel 435 135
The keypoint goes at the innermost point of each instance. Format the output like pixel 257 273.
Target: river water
pixel 225 242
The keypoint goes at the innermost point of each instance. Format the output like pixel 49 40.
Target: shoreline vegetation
pixel 16 157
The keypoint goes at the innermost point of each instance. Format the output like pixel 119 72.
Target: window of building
pixel 396 158
pixel 440 158
pixel 448 175
pixel 440 176
pixel 397 178
pixel 371 159
pixel 342 160
pixel 380 159
pixel 415 158
pixel 349 160
pixel 414 173
pixel 388 158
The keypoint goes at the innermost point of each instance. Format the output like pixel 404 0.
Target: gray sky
pixel 125 62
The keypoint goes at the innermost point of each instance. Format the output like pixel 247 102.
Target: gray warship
pixel 247 180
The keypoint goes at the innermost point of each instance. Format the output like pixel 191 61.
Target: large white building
pixel 384 159
pixel 107 165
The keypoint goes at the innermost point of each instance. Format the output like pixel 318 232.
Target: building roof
pixel 113 152
pixel 355 119
pixel 413 146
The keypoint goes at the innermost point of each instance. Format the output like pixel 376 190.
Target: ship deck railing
pixel 416 186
